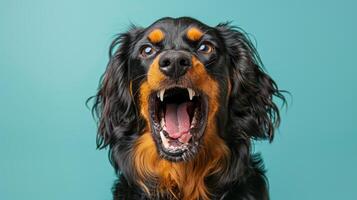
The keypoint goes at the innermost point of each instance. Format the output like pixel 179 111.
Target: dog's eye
pixel 147 51
pixel 205 48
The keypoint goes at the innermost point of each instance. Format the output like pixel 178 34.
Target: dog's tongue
pixel 177 120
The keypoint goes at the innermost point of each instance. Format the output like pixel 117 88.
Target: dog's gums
pixel 178 117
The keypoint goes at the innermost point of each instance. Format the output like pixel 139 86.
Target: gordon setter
pixel 179 105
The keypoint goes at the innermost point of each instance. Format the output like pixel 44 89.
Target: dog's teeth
pixel 162 92
pixel 162 122
pixel 164 140
pixel 194 119
pixel 191 93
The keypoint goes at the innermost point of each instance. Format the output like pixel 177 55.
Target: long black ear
pixel 113 103
pixel 252 110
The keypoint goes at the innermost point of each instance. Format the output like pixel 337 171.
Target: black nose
pixel 175 63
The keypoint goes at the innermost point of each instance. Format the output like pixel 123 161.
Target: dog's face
pixel 186 77
pixel 180 90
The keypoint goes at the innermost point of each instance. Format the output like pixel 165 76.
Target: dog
pixel 179 105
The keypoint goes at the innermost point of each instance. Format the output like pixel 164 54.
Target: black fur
pixel 248 113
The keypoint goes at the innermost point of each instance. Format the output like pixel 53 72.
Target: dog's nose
pixel 175 63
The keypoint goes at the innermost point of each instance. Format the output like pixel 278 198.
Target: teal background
pixel 52 54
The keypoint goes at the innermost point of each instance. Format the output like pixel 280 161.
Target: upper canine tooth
pixel 162 92
pixel 191 93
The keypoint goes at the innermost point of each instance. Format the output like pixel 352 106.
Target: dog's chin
pixel 178 118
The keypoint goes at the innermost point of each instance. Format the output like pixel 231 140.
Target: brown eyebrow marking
pixel 156 36
pixel 194 34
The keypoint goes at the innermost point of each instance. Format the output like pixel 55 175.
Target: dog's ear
pixel 113 103
pixel 252 111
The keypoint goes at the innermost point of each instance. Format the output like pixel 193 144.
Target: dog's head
pixel 180 87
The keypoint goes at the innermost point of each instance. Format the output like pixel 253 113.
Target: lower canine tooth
pixel 164 140
pixel 194 119
pixel 162 122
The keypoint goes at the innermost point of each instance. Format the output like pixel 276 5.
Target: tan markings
pixel 194 34
pixel 156 36
pixel 185 177
pixel 229 92
pixel 131 88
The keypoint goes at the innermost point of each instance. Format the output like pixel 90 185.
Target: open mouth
pixel 178 116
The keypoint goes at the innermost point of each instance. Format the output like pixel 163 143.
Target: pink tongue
pixel 177 120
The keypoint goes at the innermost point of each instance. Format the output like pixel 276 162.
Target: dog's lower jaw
pixel 188 177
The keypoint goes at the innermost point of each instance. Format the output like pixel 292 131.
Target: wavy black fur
pixel 250 114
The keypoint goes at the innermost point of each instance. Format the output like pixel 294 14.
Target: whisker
pixel 139 76
pixel 136 92
pixel 219 75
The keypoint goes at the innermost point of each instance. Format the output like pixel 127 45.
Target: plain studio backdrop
pixel 52 54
